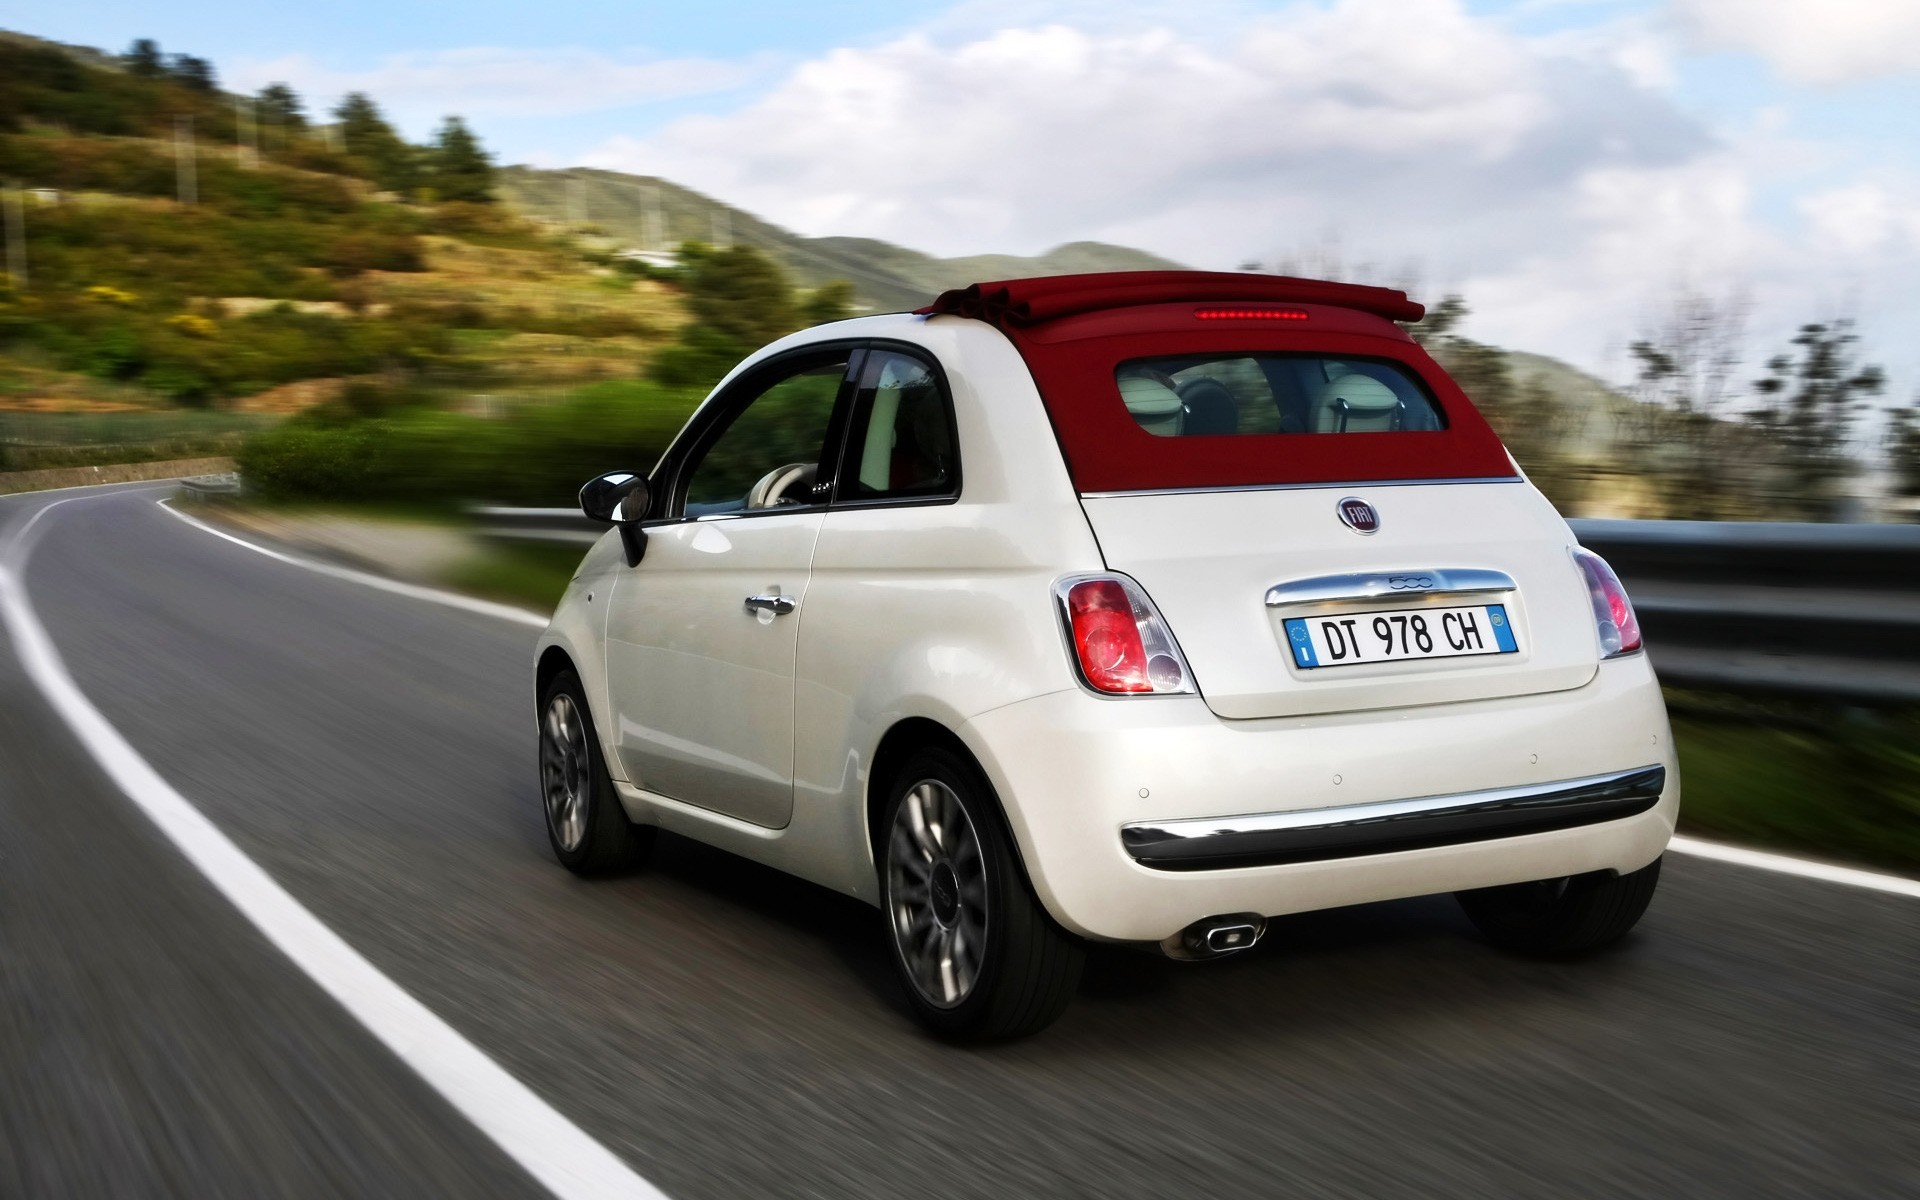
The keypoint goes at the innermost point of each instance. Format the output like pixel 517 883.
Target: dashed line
pixel 552 1149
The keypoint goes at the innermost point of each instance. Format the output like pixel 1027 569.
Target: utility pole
pixel 246 133
pixel 16 236
pixel 183 153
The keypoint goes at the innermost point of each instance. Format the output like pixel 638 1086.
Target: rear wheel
pixel 1559 918
pixel 586 826
pixel 978 955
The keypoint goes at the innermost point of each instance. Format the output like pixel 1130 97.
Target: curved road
pixel 729 1032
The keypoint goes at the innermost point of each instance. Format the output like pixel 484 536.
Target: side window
pixel 769 455
pixel 900 443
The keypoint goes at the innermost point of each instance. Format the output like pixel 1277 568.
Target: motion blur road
pixel 730 1032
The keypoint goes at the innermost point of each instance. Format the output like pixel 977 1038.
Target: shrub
pixel 538 455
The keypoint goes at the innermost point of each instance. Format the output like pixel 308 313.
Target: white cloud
pixel 1863 219
pixel 1555 180
pixel 483 81
pixel 1813 41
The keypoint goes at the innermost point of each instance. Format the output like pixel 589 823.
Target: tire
pixel 978 957
pixel 586 826
pixel 1562 918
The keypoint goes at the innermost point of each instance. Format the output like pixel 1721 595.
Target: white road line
pixel 1805 868
pixel 556 1152
pixel 486 608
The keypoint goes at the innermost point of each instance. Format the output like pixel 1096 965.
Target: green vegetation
pixel 1804 778
pixel 538 454
pixel 531 574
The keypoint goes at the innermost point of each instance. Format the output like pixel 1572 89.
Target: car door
pixel 701 634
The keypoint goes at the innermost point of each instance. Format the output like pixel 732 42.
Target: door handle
pixel 779 606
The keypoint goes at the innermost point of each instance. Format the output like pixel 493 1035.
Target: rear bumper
pixel 1135 818
pixel 1269 839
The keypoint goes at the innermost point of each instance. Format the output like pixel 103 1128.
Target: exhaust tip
pixel 1216 937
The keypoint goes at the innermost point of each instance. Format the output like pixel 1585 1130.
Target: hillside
pixel 643 212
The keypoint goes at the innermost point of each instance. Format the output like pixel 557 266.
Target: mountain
pixel 645 212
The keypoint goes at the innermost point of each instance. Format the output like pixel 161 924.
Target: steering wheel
pixel 773 487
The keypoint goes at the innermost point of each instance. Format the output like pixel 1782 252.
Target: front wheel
pixel 1559 918
pixel 586 826
pixel 980 958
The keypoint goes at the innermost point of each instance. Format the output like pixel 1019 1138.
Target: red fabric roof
pixel 1032 301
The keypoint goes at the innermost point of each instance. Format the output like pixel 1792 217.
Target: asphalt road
pixel 730 1032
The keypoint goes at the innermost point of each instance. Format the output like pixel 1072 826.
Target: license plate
pixel 1396 635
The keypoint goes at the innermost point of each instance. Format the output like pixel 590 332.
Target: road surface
pixel 727 1032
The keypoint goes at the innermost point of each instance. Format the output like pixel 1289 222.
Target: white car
pixel 1130 608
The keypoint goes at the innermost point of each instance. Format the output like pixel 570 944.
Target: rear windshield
pixel 1210 395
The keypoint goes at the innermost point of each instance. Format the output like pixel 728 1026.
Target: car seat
pixel 1356 403
pixel 1210 408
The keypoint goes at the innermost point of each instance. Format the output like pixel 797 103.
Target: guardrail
pixel 1818 610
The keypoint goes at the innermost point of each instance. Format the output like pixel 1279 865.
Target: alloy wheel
pixel 565 771
pixel 937 893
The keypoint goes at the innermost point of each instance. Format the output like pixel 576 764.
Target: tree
pixel 831 301
pixel 1531 422
pixel 143 59
pixel 1903 449
pixel 1809 400
pixel 279 106
pixel 364 132
pixel 739 300
pixel 194 73
pixel 458 168
pixel 1680 431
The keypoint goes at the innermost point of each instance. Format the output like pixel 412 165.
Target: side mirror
pixel 621 498
pixel 616 497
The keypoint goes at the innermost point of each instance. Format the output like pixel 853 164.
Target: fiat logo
pixel 1356 514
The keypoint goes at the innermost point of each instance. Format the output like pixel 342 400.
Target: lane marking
pixel 486 608
pixel 1783 864
pixel 552 1149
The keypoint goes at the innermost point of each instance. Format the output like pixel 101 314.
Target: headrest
pixel 1148 397
pixel 1362 394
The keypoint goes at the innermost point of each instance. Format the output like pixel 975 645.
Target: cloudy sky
pixel 1567 164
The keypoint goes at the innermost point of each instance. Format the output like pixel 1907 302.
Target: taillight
pixel 1612 611
pixel 1122 644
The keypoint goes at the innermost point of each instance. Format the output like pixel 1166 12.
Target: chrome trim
pixel 1296 487
pixel 1389 585
pixel 1389 826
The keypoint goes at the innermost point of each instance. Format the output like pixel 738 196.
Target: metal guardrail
pixel 1831 611
pixel 1816 610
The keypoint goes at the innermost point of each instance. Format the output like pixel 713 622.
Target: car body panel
pixel 1208 558
pixel 701 686
pixel 1083 767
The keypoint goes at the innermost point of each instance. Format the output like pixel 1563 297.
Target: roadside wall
pixel 65 477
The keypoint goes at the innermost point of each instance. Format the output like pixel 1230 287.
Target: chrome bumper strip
pixel 1267 839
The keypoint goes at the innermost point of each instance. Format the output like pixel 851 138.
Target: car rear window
pixel 1215 395
pixel 1252 399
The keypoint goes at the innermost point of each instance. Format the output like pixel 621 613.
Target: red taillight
pixel 1122 644
pixel 1106 636
pixel 1612 611
pixel 1250 314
